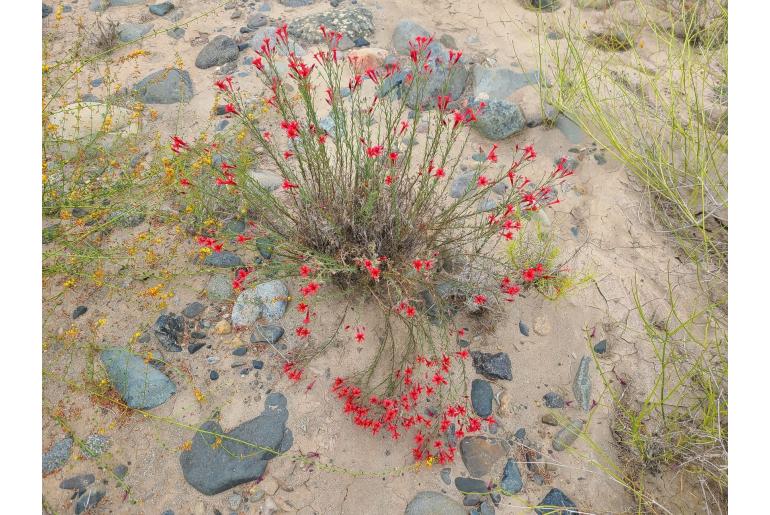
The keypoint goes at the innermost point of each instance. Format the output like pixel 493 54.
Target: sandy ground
pixel 615 241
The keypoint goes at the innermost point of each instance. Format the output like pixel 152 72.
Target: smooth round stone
pixel 481 397
pixel 214 375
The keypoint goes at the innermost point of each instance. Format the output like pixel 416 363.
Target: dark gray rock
pixel 523 328
pixel 553 400
pixel 257 364
pixel 581 386
pixel 131 31
pixel 601 347
pixel 161 9
pixel 57 456
pixel 481 453
pixel 195 347
pixel 213 375
pixel 433 503
pixel 554 503
pixel 486 508
pixel 78 312
pixel 89 499
pixel 520 434
pixel 469 485
pixel 471 500
pixel 446 476
pixel 223 259
pixel 511 482
pixel 213 470
pixel 217 52
pixel 267 334
pixel 193 309
pixel 176 32
pixel 481 397
pixel 353 22
pixel 256 21
pixel 295 3
pixel 141 385
pixel 492 366
pixel 120 471
pixel 47 10
pixel 168 329
pixel 567 436
pixel 77 482
pixel 241 351
pixel 165 87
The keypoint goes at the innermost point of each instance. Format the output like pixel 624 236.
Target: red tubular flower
pixel 302 307
pixel 230 108
pixel 528 275
pixel 360 336
pixel 258 63
pixel 302 332
pixel 291 128
pixel 282 34
pixel 393 156
pixel 374 151
pixel 374 273
pixel 483 181
pixel 310 289
pixel 289 185
pixel 480 300
pixel 529 153
pixel 177 144
pixel 241 238
pixel 417 264
pixel 442 102
pixel 463 354
pixel 372 74
pixel 304 271
pixel 492 156
pixel 388 180
pixel 404 127
pixel 184 182
pixel 439 173
pixel 288 154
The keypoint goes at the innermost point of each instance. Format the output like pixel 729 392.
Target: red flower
pixel 417 264
pixel 288 154
pixel 310 289
pixel 322 138
pixel 291 128
pixel 529 153
pixel 184 182
pixel 410 311
pixel 393 157
pixel 483 181
pixel 372 75
pixel 454 57
pixel 177 144
pixel 480 300
pixel 289 185
pixel 242 238
pixel 258 63
pixel 304 271
pixel 302 332
pixel 230 108
pixel 463 354
pixel 374 151
pixel 388 180
pixel 528 275
pixel 439 173
pixel 360 336
pixel 374 273
pixel 442 102
pixel 492 156
pixel 302 307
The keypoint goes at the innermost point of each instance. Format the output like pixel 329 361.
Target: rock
pixel 570 129
pixel 361 42
pixel 486 508
pixel 520 434
pixel 120 471
pixel 240 351
pixel 176 32
pixel 552 501
pixel 141 385
pixel 499 83
pixel 499 119
pixel 131 31
pixel 217 52
pixel 78 312
pixel 213 470
pixel 471 500
pixel 267 180
pixel 511 482
pixel 567 436
pixel 354 22
pixel 480 453
pixel 256 21
pixel 265 300
pixel 523 328
pixel 446 476
pixel 553 400
pixel 267 334
pixel 77 482
pixel 295 3
pixel 89 499
pixel 165 87
pixel 161 9
pixel 549 419
pixel 462 184
pixel 433 503
pixel 234 501
pixel 220 287
pixel 481 397
pixel 492 366
pixel 581 386
pixel 95 445
pixel 213 375
pixel 47 10
pixel 545 5
pixel 406 31
pixel 601 347
pixel 193 309
pixel 223 327
pixel 364 58
pixel 195 347
pixel 594 4
pixel 257 364
pixel 168 330
pixel 223 259
pixel 57 456
pixel 469 485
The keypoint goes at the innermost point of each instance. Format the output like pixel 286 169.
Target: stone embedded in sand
pixel 77 482
pixel 469 485
pixel 223 259
pixel 497 88
pixel 165 87
pixel 141 385
pixel 567 436
pixel 553 400
pixel 499 119
pixel 353 22
pixel 492 366
pixel 131 31
pixel 213 469
pixel 220 287
pixel 481 397
pixel 433 503
pixel 570 129
pixel 89 499
pixel 553 501
pixel 267 334
pixel 480 453
pixel 265 300
pixel 295 3
pixel 217 52
pixel 47 10
pixel 168 329
pixel 581 387
pixel 57 456
pixel 161 9
pixel 268 180
pixel 511 482
pixel 365 58
pixel 406 31
pixel 256 21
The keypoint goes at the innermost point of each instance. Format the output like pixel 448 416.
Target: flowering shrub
pixel 366 199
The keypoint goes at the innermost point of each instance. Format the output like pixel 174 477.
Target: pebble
pixel 433 503
pixel 89 499
pixel 601 347
pixel 471 500
pixel 193 309
pixel 567 436
pixel 511 482
pixel 220 287
pixel 168 329
pixel 223 327
pixel 240 351
pixel 195 347
pixel 446 476
pixel 223 259
pixel 257 364
pixel 523 328
pixel 161 9
pixel 197 335
pixel 549 419
pixel 486 508
pixel 480 453
pixel 553 400
pixel 213 375
pixel 492 366
pixel 600 159
pixel 120 471
pixel 217 52
pixel 555 498
pixel 470 485
pixel 57 456
pixel 77 482
pixel 581 386
pixel 78 312
pixel 267 334
pixel 234 501
pixel 481 397
pixel 520 434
